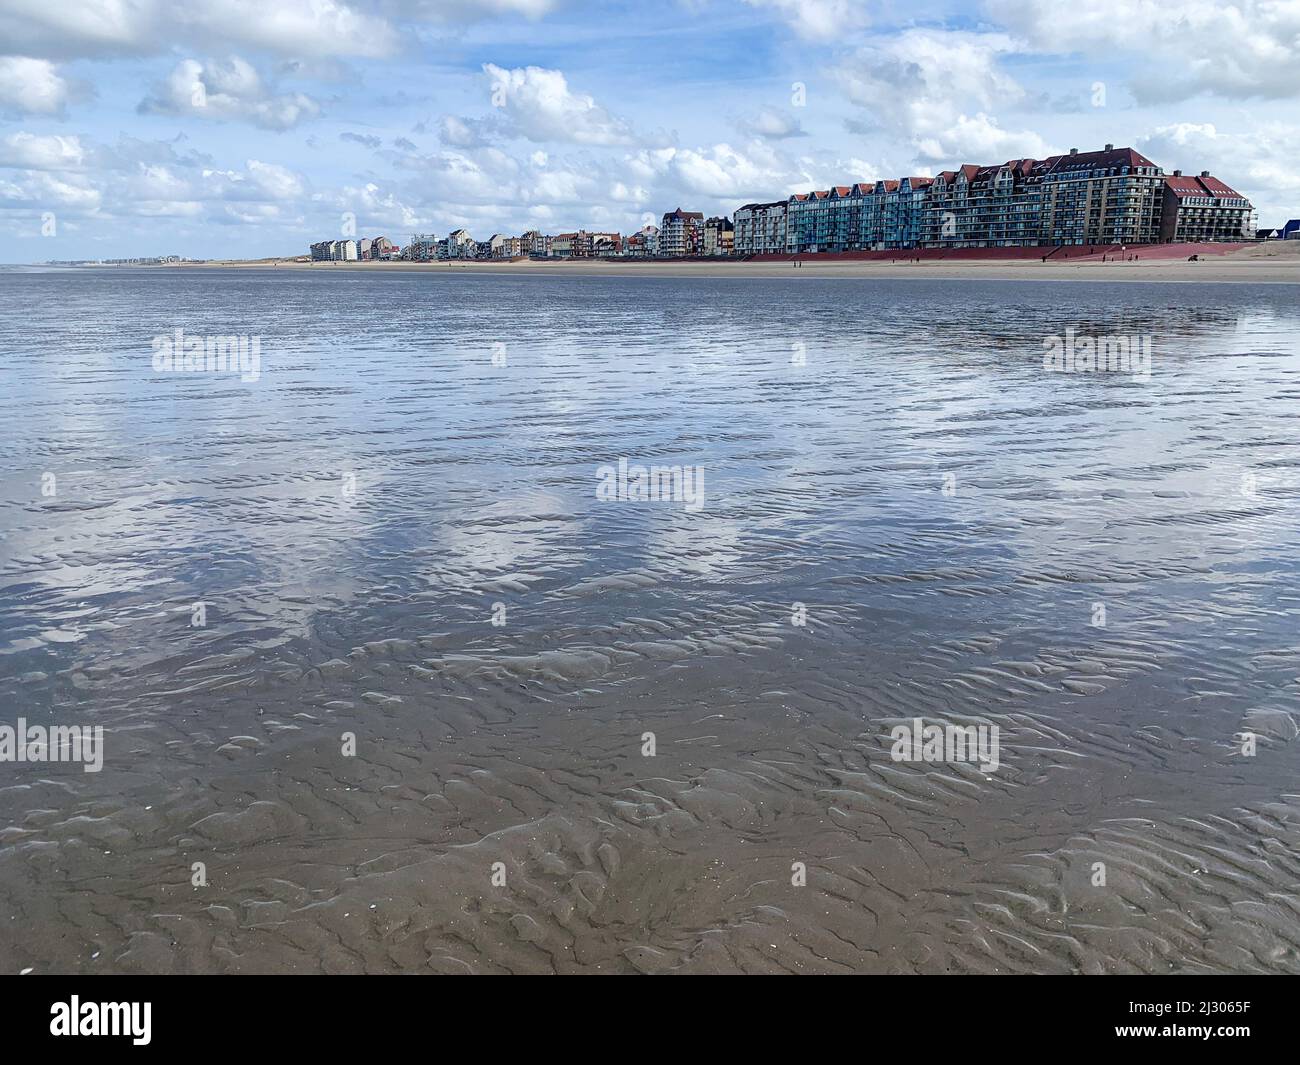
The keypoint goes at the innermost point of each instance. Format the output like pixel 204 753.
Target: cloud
pixel 540 107
pixel 772 124
pixel 819 20
pixel 465 132
pixel 315 29
pixel 473 10
pixel 27 151
pixel 937 89
pixel 1233 48
pixel 105 28
pixel 1258 160
pixel 365 140
pixel 227 90
pixel 34 191
pixel 31 86
pixel 135 179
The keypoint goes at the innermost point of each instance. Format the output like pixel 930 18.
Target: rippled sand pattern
pixel 889 454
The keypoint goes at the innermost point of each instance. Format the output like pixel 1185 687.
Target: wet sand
pixel 1274 264
pixel 377 779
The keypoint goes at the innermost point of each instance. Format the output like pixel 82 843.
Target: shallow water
pixel 886 461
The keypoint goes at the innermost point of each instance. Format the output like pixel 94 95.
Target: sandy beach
pixel 676 751
pixel 1271 264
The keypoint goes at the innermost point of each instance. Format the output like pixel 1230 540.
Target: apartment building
pixel 719 236
pixel 1204 208
pixel 983 206
pixel 535 243
pixel 457 244
pixel 1115 196
pixel 681 233
pixel 643 244
pixel 1112 196
pixel 335 250
pixel 422 248
pixel 760 228
pixel 562 245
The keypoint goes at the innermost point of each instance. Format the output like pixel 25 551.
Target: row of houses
pixel 1107 197
pixel 355 250
pixel 683 233
pixel 1112 196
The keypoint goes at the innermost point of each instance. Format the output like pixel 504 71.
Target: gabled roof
pixel 1183 186
pixel 1103 160
pixel 1218 188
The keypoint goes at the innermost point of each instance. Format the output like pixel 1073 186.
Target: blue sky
pixel 253 127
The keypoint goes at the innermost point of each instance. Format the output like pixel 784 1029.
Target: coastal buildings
pixel 585 245
pixel 335 251
pixel 1107 197
pixel 423 248
pixel 643 244
pixel 535 244
pixel 1203 208
pixel 681 233
pixel 1111 198
pixel 604 245
pixel 719 236
pixel 1115 196
pixel 760 228
pixel 458 244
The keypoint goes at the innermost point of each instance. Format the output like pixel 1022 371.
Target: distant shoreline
pixel 1255 265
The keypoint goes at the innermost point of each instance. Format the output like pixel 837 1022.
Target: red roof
pixel 1103 160
pixel 1183 186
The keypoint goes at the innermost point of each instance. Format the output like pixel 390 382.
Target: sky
pixel 248 128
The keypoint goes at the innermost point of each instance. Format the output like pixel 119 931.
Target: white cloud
pixel 464 132
pixel 1258 160
pixel 540 107
pixel 28 151
pixel 772 125
pixel 230 89
pixel 136 179
pixel 819 20
pixel 938 90
pixel 33 191
pixel 97 28
pixel 31 86
pixel 1233 48
pixel 300 28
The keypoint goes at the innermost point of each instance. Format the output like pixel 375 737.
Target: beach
pixel 1277 263
pixel 925 654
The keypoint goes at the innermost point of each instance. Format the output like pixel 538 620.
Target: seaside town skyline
pixel 1112 197
pixel 246 132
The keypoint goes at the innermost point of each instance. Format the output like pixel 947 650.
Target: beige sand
pixel 1277 263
